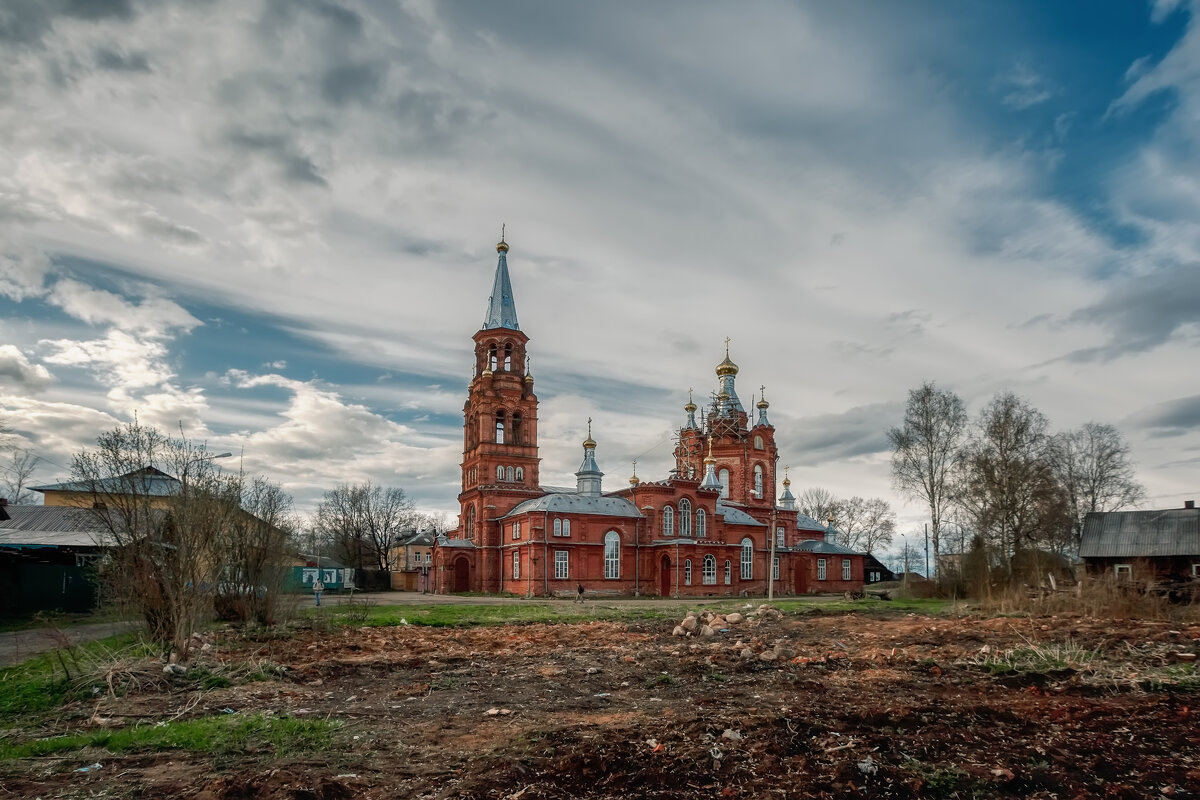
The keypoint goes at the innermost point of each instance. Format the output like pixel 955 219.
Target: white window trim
pixel 709 576
pixel 775 569
pixel 687 572
pixel 612 562
pixel 701 524
pixel 516 565
pixel 822 570
pixel 562 565
pixel 1122 570
pixel 566 528
pixel 845 569
pixel 728 572
pixel 746 563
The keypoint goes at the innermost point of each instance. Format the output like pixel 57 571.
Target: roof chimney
pixel 1189 503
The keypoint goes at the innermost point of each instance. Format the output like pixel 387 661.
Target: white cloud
pixel 16 368
pixel 155 317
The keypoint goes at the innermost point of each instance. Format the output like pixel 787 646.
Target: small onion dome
pixel 710 459
pixel 589 443
pixel 726 367
pixel 487 372
pixel 634 480
pixel 529 377
pixel 690 407
pixel 763 404
pixel 502 246
pixel 723 397
pixel 787 481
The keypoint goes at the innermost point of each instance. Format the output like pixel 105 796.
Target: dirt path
pixel 16 646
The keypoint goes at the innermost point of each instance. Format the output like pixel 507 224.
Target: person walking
pixel 318 587
pixel 579 593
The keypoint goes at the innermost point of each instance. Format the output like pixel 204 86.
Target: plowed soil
pixel 849 705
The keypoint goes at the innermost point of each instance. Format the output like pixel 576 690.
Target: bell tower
pixel 500 454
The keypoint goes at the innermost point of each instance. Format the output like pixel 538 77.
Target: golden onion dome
pixel 501 246
pixel 690 407
pixel 589 443
pixel 726 367
pixel 787 481
pixel 763 403
pixel 529 377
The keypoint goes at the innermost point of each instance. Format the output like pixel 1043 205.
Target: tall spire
pixel 588 476
pixel 727 371
pixel 502 309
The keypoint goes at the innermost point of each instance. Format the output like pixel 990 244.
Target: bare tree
pixel 818 503
pixel 253 580
pixel 165 511
pixel 363 522
pixel 926 451
pixel 864 525
pixel 1008 488
pixel 1094 467
pixel 17 465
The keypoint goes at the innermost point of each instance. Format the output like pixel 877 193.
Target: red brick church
pixel 706 530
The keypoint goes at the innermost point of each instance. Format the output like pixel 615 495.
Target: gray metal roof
pixel 51 526
pixel 464 544
pixel 825 548
pixel 1140 534
pixel 562 503
pixel 735 516
pixel 807 523
pixel 502 309
pixel 146 481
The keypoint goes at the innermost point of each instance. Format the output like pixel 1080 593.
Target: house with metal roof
pixel 716 525
pixel 47 558
pixel 1146 546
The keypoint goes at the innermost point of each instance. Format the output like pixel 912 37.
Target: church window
pixel 775 568
pixel 612 555
pixel 499 473
pixel 516 567
pixel 701 524
pixel 507 357
pixel 520 473
pixel 821 569
pixel 687 572
pixel 685 518
pixel 845 569
pixel 709 574
pixel 728 572
pixel 758 480
pixel 779 537
pixel 566 527
pixel 668 521
pixel 560 565
pixel 499 427
pixel 558 527
pixel 723 477
pixel 471 522
pixel 492 358
pixel 747 559
pixel 509 474
pixel 516 529
pixel 758 442
pixel 516 429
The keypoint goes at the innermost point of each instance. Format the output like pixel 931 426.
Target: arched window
pixel 509 474
pixel 779 541
pixel 558 527
pixel 709 575
pixel 728 572
pixel 685 517
pixel 520 473
pixel 499 427
pixel 701 524
pixel 566 527
pixel 723 477
pixel 516 429
pixel 747 559
pixel 687 572
pixel 492 358
pixel 507 357
pixel 612 555
pixel 499 473
pixel 668 521
pixel 470 522
pixel 758 480
pixel 758 442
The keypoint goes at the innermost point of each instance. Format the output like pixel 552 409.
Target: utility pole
pixel 927 551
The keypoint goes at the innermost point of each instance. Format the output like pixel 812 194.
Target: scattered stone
pixel 679 631
pixel 783 651
pixel 747 653
pixel 707 631
pixel 592 670
pixel 734 618
pixel 767 655
pixel 689 623
pixel 174 670
pixel 497 712
pixel 868 766
pixel 731 735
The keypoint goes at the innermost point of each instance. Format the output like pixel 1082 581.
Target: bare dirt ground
pixel 846 705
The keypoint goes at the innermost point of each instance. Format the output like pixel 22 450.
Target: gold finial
pixel 589 443
pixel 727 367
pixel 786 481
pixel 502 247
pixel 634 480
pixel 708 459
pixel 690 407
pixel 829 519
pixel 528 371
pixel 727 339
pixel 762 398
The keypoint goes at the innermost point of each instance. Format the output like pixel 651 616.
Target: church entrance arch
pixel 462 575
pixel 664 576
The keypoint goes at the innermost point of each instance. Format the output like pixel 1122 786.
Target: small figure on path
pixel 318 587
pixel 579 594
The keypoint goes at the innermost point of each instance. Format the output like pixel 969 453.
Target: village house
pixel 1144 546
pixel 713 527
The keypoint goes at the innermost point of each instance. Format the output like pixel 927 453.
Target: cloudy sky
pixel 271 225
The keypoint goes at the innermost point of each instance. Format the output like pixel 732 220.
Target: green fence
pixel 46 587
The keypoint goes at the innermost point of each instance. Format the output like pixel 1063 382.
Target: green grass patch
pixel 463 616
pixel 48 680
pixel 217 736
